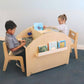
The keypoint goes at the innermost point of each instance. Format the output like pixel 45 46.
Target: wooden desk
pixel 36 64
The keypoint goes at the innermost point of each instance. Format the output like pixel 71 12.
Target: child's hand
pixel 44 26
pixel 23 43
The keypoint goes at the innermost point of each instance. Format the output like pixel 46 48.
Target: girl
pixel 62 24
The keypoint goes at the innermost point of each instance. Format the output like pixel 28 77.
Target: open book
pixel 28 40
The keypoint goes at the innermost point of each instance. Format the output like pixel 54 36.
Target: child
pixel 62 24
pixel 12 43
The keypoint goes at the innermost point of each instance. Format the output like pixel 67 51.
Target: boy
pixel 12 43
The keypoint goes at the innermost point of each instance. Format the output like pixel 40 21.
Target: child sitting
pixel 62 27
pixel 12 43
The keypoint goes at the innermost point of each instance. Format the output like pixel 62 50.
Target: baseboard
pixel 80 47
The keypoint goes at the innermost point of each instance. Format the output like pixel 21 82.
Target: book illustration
pixel 38 26
pixel 61 44
pixel 28 40
pixel 52 45
pixel 43 48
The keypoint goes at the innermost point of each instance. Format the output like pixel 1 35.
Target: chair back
pixel 73 35
pixel 5 50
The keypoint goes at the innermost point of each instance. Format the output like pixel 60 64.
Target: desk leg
pixel 28 74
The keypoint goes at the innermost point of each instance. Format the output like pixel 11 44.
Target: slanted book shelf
pixel 51 52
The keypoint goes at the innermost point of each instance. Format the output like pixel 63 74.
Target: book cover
pixel 38 26
pixel 43 48
pixel 61 44
pixel 52 45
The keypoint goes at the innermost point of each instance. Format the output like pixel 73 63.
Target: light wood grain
pixel 51 52
pixel 9 57
pixel 36 64
pixel 74 35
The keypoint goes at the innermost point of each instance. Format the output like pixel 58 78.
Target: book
pixel 43 48
pixel 52 45
pixel 38 26
pixel 28 40
pixel 61 44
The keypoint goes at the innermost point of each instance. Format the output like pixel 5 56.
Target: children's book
pixel 52 45
pixel 61 44
pixel 43 48
pixel 38 26
pixel 28 40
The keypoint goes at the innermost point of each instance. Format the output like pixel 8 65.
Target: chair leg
pixel 5 65
pixel 22 65
pixel 76 53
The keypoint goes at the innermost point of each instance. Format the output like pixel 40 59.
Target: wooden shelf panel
pixel 51 52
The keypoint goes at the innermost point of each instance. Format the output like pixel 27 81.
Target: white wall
pixel 26 12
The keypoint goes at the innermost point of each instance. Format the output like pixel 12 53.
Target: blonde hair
pixel 63 17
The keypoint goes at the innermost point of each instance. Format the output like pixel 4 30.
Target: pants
pixel 23 55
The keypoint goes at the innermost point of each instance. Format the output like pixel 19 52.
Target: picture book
pixel 61 44
pixel 28 40
pixel 52 45
pixel 38 26
pixel 43 48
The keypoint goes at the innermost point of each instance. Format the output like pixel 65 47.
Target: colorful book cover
pixel 38 26
pixel 43 48
pixel 52 45
pixel 61 44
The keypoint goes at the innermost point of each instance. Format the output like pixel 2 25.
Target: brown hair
pixel 63 17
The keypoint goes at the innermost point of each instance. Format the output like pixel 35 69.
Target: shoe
pixel 18 65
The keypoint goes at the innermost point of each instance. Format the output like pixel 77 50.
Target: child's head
pixel 62 19
pixel 10 27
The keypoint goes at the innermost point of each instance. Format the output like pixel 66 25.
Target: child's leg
pixel 23 55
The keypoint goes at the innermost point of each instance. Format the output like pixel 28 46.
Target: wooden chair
pixel 73 35
pixel 11 57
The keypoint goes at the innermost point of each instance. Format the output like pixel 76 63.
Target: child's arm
pixel 14 49
pixel 59 28
pixel 21 41
pixel 50 27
